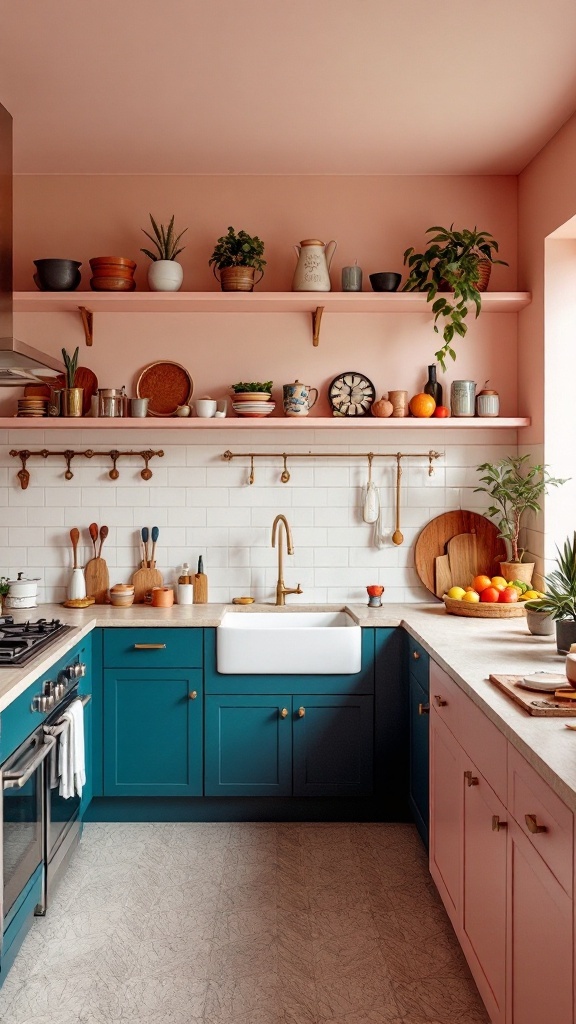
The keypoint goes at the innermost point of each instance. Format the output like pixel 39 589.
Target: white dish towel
pixel 71 761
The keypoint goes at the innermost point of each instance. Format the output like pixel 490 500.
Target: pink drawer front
pixel 479 737
pixel 543 818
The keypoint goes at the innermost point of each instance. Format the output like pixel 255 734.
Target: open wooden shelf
pixel 152 423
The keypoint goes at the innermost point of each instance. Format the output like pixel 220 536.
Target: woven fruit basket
pixel 484 610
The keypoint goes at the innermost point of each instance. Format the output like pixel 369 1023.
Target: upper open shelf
pixel 265 423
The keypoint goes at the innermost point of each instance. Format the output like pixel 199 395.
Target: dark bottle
pixel 432 387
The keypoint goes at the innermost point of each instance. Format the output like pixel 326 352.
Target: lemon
pixel 530 595
pixel 471 596
pixel 456 593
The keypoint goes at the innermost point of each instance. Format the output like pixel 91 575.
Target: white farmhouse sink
pixel 288 643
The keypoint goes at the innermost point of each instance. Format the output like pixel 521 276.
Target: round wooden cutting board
pixel 434 537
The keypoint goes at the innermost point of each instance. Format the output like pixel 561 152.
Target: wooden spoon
pixel 93 531
pixel 103 535
pixel 397 536
pixel 75 537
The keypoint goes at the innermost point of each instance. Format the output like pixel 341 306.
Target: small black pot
pixel 385 282
pixel 57 275
pixel 565 634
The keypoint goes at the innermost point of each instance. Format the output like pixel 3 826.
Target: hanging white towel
pixel 71 751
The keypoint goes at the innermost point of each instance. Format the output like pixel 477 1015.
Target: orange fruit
pixel 480 583
pixel 422 405
pixel 499 581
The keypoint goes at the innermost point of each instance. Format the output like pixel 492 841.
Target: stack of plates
pixel 32 407
pixel 253 408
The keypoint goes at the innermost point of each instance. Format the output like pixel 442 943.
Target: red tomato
pixel 490 594
pixel 441 411
pixel 508 595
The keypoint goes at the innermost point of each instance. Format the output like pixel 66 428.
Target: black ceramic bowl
pixel 57 275
pixel 386 282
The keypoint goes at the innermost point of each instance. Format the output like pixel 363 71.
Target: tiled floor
pixel 244 924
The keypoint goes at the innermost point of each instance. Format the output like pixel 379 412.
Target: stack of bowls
pixel 32 407
pixel 122 595
pixel 112 273
pixel 253 403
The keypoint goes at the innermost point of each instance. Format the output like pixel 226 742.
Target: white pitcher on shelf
pixel 312 272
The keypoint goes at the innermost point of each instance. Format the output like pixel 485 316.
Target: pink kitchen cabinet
pixel 446 814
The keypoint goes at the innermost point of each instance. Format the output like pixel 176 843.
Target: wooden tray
pixel 167 385
pixel 433 539
pixel 531 700
pixel 484 611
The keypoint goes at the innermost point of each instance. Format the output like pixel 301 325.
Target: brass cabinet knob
pixel 416 655
pixel 497 824
pixel 440 702
pixel 283 712
pixel 471 780
pixel 193 695
pixel 532 824
pixel 301 712
pixel 423 709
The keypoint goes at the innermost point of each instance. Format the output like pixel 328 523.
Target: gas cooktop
pixel 22 641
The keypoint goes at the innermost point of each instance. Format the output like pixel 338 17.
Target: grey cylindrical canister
pixel 462 395
pixel 488 403
pixel 352 279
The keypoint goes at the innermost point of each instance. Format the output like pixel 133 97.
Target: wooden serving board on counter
pixel 97 580
pixel 433 540
pixel 144 579
pixel 533 701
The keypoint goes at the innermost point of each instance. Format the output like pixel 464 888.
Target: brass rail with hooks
pixel 285 475
pixel 24 454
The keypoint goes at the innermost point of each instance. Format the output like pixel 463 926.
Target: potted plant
pixel 514 488
pixel 255 391
pixel 559 601
pixel 164 273
pixel 4 588
pixel 456 261
pixel 72 397
pixel 237 256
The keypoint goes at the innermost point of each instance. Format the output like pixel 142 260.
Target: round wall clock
pixel 351 394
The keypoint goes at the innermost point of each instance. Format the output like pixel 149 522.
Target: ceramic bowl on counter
pixel 122 595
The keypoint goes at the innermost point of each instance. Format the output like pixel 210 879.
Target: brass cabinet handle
pixel 415 655
pixel 471 780
pixel 532 824
pixel 193 695
pixel 283 712
pixel 440 702
pixel 301 712
pixel 149 647
pixel 423 709
pixel 497 824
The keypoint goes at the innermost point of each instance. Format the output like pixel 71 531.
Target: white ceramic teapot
pixel 312 272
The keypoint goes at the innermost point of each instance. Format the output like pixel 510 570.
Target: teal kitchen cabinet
pixel 248 745
pixel 333 745
pixel 152 720
pixel 419 698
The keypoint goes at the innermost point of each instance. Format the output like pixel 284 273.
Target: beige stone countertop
pixel 468 649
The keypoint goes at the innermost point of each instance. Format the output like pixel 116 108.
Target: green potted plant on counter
pixel 455 261
pixel 515 488
pixel 165 274
pixel 237 256
pixel 559 601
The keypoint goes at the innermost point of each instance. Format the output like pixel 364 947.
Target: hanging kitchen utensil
pixel 397 536
pixel 371 497
pixel 380 531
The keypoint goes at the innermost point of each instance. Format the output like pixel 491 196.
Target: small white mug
pixel 205 408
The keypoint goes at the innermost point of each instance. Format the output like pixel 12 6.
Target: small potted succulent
pixel 72 397
pixel 514 488
pixel 237 256
pixel 559 601
pixel 164 273
pixel 455 261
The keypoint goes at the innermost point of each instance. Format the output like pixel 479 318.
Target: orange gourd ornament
pixel 422 405
pixel 382 407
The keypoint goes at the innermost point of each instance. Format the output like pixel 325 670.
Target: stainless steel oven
pixel 22 787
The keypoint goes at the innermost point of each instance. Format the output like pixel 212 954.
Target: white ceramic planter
pixel 165 276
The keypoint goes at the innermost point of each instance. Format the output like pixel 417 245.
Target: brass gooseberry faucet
pixel 282 590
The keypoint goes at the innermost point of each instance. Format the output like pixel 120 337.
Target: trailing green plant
pixel 71 364
pixel 238 250
pixel 451 263
pixel 515 488
pixel 559 600
pixel 255 385
pixel 4 586
pixel 165 241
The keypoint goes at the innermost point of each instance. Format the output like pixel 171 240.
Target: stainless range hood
pixel 20 363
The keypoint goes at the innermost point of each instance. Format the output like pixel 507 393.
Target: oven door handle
pixel 15 780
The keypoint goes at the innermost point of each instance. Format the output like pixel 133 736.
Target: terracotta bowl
pixel 112 284
pixel 122 595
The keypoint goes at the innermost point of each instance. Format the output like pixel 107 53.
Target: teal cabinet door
pixel 419 755
pixel 333 742
pixel 152 732
pixel 248 745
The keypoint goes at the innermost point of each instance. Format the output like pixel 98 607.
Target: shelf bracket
pixel 87 323
pixel 316 319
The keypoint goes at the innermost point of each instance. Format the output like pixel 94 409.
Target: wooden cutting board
pixel 534 702
pixel 143 580
pixel 434 537
pixel 97 580
pixel 443 576
pixel 463 555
